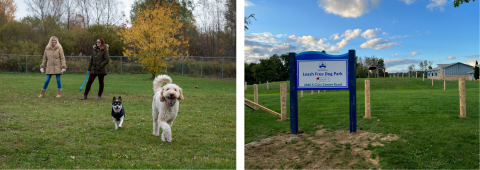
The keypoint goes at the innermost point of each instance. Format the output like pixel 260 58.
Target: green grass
pixel 70 133
pixel 425 116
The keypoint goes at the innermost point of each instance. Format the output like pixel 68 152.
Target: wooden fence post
pixel 367 100
pixel 461 87
pixel 255 95
pixel 318 91
pixel 301 93
pixel 443 84
pixel 283 101
pixel 267 85
pixel 245 90
pixel 312 92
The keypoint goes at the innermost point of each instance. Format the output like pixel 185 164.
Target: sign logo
pixel 322 66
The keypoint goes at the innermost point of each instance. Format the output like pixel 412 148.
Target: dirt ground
pixel 323 150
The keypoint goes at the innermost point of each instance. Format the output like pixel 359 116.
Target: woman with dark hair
pixel 98 61
pixel 53 63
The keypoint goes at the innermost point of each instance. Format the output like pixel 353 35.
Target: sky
pixel 402 32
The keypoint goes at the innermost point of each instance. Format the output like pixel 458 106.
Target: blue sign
pixel 320 71
pixel 314 70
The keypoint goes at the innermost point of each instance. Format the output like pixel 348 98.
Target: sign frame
pixel 315 55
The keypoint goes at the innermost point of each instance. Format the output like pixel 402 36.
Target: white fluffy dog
pixel 165 106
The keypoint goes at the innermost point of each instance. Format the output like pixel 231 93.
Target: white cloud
pixel 391 63
pixel 396 54
pixel 384 33
pixel 348 8
pixel 280 35
pixel 335 37
pixel 248 3
pixel 436 3
pixel 348 35
pixel 408 2
pixel 473 56
pixel 304 41
pixel 371 33
pixel 413 54
pixel 255 50
pixel 373 42
pixel 472 62
pixel 395 37
pixel 337 47
pixel 265 37
pixel 451 57
pixel 383 46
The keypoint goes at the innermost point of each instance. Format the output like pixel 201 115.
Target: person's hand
pixel 41 70
pixel 88 72
pixel 63 70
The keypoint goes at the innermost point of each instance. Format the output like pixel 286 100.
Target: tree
pixel 231 28
pixel 183 13
pixel 248 22
pixel 154 36
pixel 266 70
pixel 410 68
pixel 476 72
pixel 284 75
pixel 249 73
pixel 7 10
pixel 456 3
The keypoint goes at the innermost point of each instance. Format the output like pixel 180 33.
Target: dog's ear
pixel 162 99
pixel 114 99
pixel 181 94
pixel 120 98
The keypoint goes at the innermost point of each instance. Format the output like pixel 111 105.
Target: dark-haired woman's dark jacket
pixel 99 60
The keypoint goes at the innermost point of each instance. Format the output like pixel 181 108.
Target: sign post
pixel 313 70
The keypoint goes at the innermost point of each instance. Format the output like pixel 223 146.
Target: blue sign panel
pixel 321 71
pixel 314 70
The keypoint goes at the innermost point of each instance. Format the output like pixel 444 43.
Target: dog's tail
pixel 159 80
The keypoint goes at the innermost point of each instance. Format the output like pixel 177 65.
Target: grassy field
pixel 70 133
pixel 425 116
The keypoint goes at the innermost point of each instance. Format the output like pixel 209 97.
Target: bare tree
pixel 430 64
pixel 39 8
pixel 98 10
pixel 410 68
pixel 69 8
pixel 112 14
pixel 84 9
pixel 56 8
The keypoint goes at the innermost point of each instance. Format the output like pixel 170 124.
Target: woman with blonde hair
pixel 53 63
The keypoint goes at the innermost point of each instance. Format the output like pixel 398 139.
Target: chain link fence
pixel 218 67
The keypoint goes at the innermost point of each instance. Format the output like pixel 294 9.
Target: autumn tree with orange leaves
pixel 154 37
pixel 7 10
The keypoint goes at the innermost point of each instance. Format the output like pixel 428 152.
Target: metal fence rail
pixel 220 67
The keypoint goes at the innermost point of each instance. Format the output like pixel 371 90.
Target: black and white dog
pixel 118 112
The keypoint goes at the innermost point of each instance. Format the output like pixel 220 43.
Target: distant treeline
pixel 275 68
pixel 78 23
